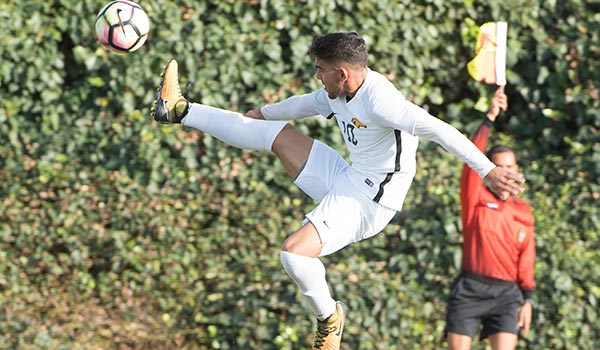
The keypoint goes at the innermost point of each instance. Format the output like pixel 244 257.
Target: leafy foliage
pixel 116 233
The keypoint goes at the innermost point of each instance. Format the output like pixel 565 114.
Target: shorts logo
pixel 369 182
pixel 358 123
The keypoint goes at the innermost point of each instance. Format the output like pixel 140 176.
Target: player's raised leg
pixel 171 107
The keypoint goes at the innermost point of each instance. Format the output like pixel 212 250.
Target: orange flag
pixel 489 64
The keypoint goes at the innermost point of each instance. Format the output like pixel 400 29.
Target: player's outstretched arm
pixel 500 181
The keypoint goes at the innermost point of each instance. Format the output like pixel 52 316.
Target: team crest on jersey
pixel 522 235
pixel 492 205
pixel 358 123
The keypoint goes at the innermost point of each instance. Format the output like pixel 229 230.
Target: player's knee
pixel 281 140
pixel 287 246
pixel 290 139
pixel 287 261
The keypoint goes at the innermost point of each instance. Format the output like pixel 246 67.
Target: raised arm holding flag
pixel 492 295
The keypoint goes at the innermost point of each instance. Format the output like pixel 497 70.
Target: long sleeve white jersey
pixel 381 130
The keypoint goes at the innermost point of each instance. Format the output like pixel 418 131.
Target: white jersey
pixel 381 130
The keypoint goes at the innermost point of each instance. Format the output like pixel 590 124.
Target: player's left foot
pixel 329 331
pixel 170 106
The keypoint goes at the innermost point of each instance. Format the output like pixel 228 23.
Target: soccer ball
pixel 122 26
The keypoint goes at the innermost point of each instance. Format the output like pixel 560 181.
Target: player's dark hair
pixel 498 149
pixel 342 47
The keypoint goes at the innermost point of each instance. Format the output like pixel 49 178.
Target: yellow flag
pixel 489 64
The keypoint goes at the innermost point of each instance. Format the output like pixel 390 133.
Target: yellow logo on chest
pixel 358 123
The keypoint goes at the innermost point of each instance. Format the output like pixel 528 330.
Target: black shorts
pixel 476 300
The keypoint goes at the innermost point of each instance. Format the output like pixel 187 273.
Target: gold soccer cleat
pixel 329 331
pixel 170 106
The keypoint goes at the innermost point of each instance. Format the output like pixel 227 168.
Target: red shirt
pixel 498 236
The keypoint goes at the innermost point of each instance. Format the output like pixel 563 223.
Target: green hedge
pixel 118 233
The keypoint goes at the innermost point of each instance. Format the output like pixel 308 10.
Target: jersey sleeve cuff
pixel 265 112
pixel 527 294
pixel 488 122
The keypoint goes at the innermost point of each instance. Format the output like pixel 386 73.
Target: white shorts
pixel 344 214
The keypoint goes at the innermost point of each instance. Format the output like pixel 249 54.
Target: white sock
pixel 309 275
pixel 233 128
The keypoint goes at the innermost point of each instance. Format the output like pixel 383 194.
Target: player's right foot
pixel 329 331
pixel 170 106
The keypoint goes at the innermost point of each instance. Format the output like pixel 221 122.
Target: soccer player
pixel 496 282
pixel 380 129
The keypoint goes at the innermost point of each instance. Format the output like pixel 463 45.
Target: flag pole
pixel 501 33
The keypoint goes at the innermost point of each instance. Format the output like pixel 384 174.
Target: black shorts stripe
pixel 398 135
pixel 388 177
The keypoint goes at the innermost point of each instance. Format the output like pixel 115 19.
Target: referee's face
pixel 506 160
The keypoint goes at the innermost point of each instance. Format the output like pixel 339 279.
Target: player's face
pixel 332 78
pixel 507 161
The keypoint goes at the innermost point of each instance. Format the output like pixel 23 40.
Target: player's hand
pixel 255 114
pixel 499 102
pixel 525 317
pixel 503 182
